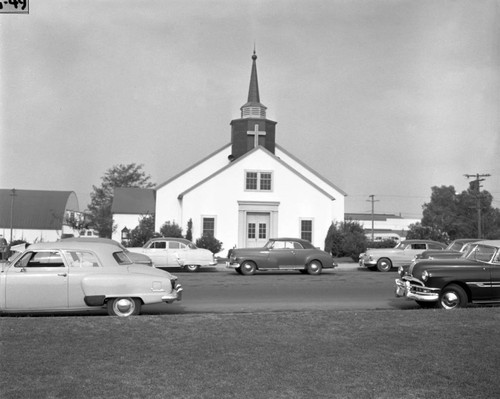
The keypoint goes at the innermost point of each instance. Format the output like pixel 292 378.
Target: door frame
pixel 245 207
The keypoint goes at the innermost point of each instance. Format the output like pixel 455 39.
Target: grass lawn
pixel 324 354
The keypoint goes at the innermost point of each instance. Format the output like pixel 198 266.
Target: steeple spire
pixel 253 108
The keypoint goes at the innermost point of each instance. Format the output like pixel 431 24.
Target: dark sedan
pixel 454 283
pixel 281 254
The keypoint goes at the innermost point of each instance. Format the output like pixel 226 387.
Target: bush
pixel 345 239
pixel 381 244
pixel 209 242
pixel 171 229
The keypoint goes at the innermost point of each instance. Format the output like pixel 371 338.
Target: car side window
pixel 41 259
pixel 159 245
pixel 435 246
pixel 418 246
pixel 297 245
pixel 484 254
pixel 279 245
pixel 174 245
pixel 81 259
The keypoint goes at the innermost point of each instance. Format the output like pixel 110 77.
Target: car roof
pixel 493 243
pixel 466 240
pixel 74 244
pixel 92 239
pixel 412 241
pixel 179 239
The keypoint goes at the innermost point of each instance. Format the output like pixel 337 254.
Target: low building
pixel 37 215
pixel 385 226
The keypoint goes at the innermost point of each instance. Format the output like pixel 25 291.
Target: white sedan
pixel 80 276
pixel 166 252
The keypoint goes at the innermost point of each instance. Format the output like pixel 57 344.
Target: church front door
pixel 257 229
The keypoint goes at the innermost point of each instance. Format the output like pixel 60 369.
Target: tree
pixel 189 233
pixel 456 214
pixel 101 199
pixel 143 232
pixel 417 231
pixel 345 238
pixel 208 241
pixel 171 229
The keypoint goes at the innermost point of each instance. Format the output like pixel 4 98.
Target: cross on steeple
pixel 256 133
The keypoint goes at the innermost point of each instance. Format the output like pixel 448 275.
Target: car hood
pixel 245 251
pixel 439 263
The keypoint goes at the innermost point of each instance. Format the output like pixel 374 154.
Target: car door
pixel 37 281
pixel 495 277
pixel 284 256
pixel 157 251
pixel 81 263
pixel 175 253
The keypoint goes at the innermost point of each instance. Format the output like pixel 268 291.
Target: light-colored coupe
pixel 166 252
pixel 80 276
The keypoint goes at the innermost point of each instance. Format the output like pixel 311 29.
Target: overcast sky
pixel 382 97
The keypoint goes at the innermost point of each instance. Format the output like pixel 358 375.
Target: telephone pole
pixel 372 200
pixel 12 194
pixel 476 186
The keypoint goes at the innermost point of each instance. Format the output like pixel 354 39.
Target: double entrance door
pixel 257 229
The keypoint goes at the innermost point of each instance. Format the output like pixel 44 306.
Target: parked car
pixel 166 252
pixel 134 256
pixel 454 283
pixel 281 254
pixel 81 276
pixel 454 250
pixel 383 259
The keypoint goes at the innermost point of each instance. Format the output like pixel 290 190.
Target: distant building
pixel 37 215
pixel 129 206
pixel 385 226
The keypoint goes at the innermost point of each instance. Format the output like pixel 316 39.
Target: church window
pixel 259 181
pixel 306 229
pixel 251 230
pixel 209 226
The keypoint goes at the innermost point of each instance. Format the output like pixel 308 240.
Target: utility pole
pixel 477 188
pixel 12 195
pixel 372 200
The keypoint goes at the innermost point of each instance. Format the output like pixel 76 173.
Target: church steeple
pixel 252 129
pixel 253 108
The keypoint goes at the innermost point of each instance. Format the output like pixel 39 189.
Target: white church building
pixel 267 192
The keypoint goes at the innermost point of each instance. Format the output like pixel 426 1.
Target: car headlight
pixel 425 275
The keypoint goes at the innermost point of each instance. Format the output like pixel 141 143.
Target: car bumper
pixel 175 295
pixel 232 265
pixel 405 288
pixel 367 263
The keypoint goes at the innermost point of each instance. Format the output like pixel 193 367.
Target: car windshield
pixel 454 246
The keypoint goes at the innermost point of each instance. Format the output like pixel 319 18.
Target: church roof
pixel 133 200
pixel 35 209
pixel 273 156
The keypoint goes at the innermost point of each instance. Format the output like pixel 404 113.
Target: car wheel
pixel 124 307
pixel 248 268
pixel 384 265
pixel 452 297
pixel 426 305
pixel 192 268
pixel 314 267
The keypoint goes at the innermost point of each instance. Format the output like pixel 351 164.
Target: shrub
pixel 209 242
pixel 171 229
pixel 345 239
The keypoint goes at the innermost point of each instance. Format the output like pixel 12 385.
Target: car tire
pixel 124 306
pixel 192 268
pixel 452 297
pixel 426 305
pixel 314 267
pixel 248 268
pixel 384 265
pixel 238 270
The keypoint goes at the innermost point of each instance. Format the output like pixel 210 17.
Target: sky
pixel 381 97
